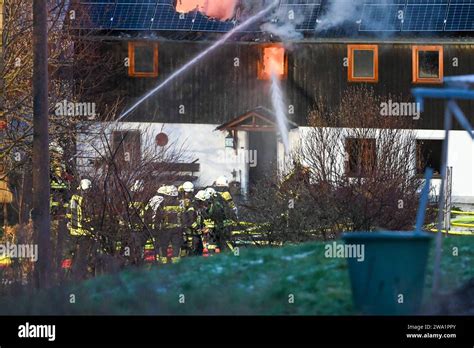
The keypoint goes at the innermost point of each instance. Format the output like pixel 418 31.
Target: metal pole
pixel 444 161
pixel 448 199
pixel 41 185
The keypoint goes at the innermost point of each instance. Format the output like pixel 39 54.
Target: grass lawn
pixel 259 281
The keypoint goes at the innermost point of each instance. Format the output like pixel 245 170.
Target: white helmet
pixel 202 196
pixel 155 202
pixel 162 190
pixel 222 182
pixel 211 192
pixel 137 186
pixel 171 191
pixel 85 184
pixel 188 187
pixel 54 147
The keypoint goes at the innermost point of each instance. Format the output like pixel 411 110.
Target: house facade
pixel 221 109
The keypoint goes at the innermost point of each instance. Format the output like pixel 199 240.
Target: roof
pixel 259 119
pixel 290 19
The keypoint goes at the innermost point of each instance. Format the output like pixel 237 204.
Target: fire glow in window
pixel 273 62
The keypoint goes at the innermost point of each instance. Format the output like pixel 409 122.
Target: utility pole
pixel 3 180
pixel 41 185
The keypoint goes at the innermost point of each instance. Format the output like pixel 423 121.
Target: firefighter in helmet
pixel 213 220
pixel 77 216
pixel 139 220
pixel 196 215
pixel 79 229
pixel 169 224
pixel 150 252
pixel 222 187
pixel 226 211
pixel 186 192
pixel 59 182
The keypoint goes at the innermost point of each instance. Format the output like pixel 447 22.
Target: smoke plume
pixel 338 13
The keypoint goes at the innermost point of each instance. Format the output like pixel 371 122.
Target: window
pixel 427 64
pixel 363 63
pixel 361 157
pixel 143 59
pixel 274 60
pixel 428 154
pixel 126 147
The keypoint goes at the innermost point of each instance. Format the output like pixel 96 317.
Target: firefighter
pixel 59 182
pixel 78 220
pixel 79 231
pixel 140 220
pixel 196 215
pixel 169 224
pixel 230 210
pixel 149 253
pixel 186 192
pixel 222 187
pixel 295 181
pixel 213 235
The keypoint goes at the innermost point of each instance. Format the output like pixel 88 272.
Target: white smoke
pixel 285 21
pixel 286 32
pixel 339 12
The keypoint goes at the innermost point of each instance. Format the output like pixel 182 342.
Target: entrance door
pixel 265 145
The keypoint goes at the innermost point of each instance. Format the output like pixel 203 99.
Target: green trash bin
pixel 391 277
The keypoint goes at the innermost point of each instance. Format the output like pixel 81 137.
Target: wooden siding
pixel 215 91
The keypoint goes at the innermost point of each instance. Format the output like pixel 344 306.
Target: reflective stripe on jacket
pixel 76 216
pixel 172 216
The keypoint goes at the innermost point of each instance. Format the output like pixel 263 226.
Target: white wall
pixel 198 141
pixel 460 157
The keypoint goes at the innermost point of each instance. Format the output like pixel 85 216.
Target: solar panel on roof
pixel 460 16
pixel 133 16
pixel 303 14
pixel 425 15
pixel 378 17
pixel 375 15
pixel 96 15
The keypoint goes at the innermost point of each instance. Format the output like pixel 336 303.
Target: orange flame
pixel 273 62
pixel 219 9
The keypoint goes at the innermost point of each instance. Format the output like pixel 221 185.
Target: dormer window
pixel 143 59
pixel 363 63
pixel 427 64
